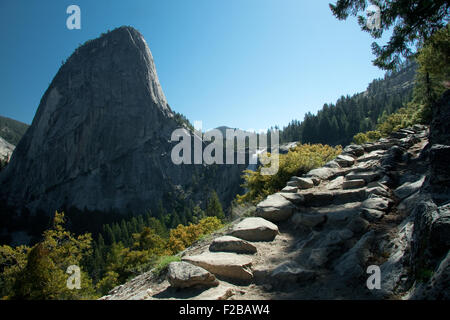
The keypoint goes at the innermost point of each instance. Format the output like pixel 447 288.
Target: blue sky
pixel 249 64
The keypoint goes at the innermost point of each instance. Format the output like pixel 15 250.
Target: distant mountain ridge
pixel 337 123
pixel 12 130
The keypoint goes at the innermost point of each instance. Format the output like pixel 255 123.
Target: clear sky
pixel 249 64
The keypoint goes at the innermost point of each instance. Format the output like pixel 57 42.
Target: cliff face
pixel 100 139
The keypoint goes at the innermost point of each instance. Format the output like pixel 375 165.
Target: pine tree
pixel 214 207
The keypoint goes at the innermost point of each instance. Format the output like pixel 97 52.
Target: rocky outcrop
pixel 100 139
pixel 324 249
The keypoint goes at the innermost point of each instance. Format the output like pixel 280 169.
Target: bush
pixel 183 236
pixel 360 138
pixel 297 161
pixel 163 263
pixel 369 136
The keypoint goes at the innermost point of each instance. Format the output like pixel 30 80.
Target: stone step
pixel 230 266
pixel 301 183
pixel 374 155
pixel 295 198
pixel 231 244
pixel 345 161
pixel 353 150
pixel 367 176
pixel 255 229
pixel 324 198
pixel 353 184
pixel 185 275
pixel 275 208
pixel 335 214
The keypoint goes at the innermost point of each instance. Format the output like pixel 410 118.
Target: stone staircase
pixel 313 239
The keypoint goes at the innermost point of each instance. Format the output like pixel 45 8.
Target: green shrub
pixel 163 263
pixel 360 138
pixel 297 161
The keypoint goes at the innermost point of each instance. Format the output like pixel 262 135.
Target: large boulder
pixel 354 150
pixel 231 244
pixel 408 188
pixel 255 229
pixel 184 275
pixel 275 208
pixel 231 266
pixel 440 124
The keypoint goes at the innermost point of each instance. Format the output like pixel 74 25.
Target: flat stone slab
pixel 184 275
pixel 344 161
pixel 301 183
pixel 223 264
pixel 231 244
pixel 368 176
pixel 295 198
pixel 376 203
pixel 289 189
pixel 322 173
pixel 255 229
pixel 352 184
pixel 275 208
pixel 324 198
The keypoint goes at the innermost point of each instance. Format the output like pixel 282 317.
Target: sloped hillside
pixel 315 239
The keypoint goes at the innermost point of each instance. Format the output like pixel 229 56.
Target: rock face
pixel 6 150
pixel 100 139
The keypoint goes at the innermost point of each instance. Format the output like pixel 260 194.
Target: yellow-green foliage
pixel 369 136
pixel 150 250
pixel 12 262
pixel 298 161
pixel 40 272
pixel 402 118
pixel 109 281
pixel 163 262
pixel 360 138
pixel 183 236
